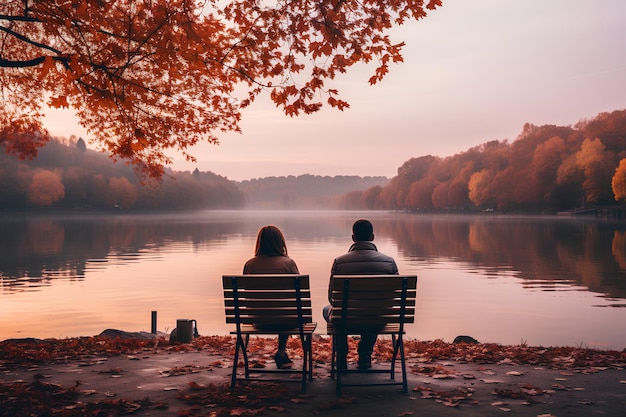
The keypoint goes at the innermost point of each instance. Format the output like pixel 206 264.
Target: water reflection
pixel 548 254
pixel 500 279
pixel 35 251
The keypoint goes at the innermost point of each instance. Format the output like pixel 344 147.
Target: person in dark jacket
pixel 362 258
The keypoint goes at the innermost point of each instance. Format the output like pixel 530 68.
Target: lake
pixel 547 281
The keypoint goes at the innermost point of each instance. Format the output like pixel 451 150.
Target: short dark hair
pixel 362 230
pixel 270 242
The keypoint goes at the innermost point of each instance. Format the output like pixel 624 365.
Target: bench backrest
pixel 267 300
pixel 366 301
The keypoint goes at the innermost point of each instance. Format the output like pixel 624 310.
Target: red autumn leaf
pixel 58 102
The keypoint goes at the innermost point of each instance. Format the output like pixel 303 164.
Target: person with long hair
pixel 270 257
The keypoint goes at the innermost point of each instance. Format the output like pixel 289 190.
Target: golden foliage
pixel 618 183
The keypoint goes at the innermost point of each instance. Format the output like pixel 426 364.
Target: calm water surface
pixel 543 281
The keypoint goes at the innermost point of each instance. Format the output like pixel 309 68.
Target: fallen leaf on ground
pixel 490 381
pixel 515 373
pixel 443 376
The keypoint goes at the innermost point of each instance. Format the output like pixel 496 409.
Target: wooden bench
pixel 270 304
pixel 380 304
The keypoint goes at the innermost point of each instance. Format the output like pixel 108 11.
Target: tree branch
pixel 28 40
pixel 19 18
pixel 5 63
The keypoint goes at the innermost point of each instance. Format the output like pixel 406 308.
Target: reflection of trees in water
pixel 35 251
pixel 619 248
pixel 547 253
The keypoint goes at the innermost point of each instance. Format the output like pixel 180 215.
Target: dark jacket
pixel 363 258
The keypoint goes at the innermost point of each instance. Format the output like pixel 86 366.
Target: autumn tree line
pixel 546 169
pixel 67 175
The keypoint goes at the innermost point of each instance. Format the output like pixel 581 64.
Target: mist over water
pixel 505 279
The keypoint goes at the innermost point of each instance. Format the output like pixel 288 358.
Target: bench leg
pixel 311 357
pixel 304 341
pixel 405 387
pixel 338 380
pixel 340 344
pixel 396 345
pixel 333 356
pixel 239 344
pixel 244 351
pixel 304 376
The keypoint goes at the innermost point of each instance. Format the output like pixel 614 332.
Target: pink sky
pixel 474 71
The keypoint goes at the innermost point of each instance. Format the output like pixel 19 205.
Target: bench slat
pixel 264 282
pixel 308 328
pixel 269 321
pixel 269 303
pixel 377 303
pixel 367 282
pixel 257 312
pixel 375 294
pixel 387 312
pixel 391 328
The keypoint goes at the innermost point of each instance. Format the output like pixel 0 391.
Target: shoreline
pixel 118 372
pixel 116 342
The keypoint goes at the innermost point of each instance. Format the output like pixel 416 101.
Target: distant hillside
pixel 304 191
pixel 547 169
pixel 67 175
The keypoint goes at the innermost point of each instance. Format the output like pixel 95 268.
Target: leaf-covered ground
pixel 31 351
pixel 41 398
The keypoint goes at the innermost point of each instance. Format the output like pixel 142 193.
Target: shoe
pixel 282 360
pixel 364 362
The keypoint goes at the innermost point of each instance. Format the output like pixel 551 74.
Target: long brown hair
pixel 270 242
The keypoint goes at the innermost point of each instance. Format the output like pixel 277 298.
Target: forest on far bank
pixel 546 169
pixel 67 175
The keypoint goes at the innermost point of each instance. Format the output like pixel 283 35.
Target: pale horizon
pixel 473 72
